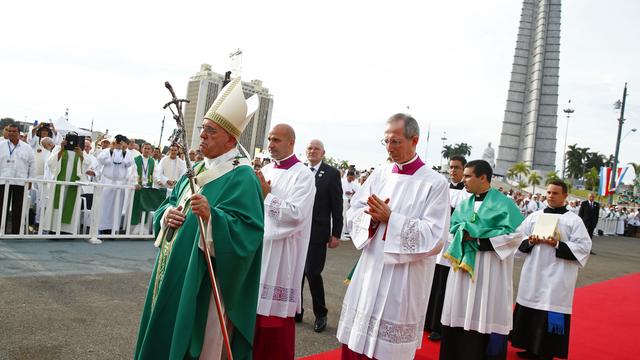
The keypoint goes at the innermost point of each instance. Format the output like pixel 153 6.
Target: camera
pixel 73 140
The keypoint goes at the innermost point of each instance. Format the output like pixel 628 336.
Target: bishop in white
pixel 399 218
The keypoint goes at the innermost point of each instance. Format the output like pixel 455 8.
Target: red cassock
pixel 275 338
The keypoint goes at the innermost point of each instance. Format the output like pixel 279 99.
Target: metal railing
pixel 85 225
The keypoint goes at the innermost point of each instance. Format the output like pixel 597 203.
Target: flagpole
pixel 614 169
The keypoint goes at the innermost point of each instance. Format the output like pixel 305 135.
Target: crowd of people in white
pixel 45 154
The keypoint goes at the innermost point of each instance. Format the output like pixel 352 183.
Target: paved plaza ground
pixel 73 300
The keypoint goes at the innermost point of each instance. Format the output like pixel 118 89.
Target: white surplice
pixel 170 169
pixel 115 170
pixel 485 304
pixel 384 309
pixel 49 221
pixel 288 212
pixel 548 282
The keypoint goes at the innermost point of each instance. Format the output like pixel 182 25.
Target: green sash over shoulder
pixel 69 202
pixel 497 215
pixel 146 199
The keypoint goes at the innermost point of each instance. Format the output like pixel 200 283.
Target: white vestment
pixel 384 309
pixel 115 171
pixel 288 210
pixel 485 304
pixel 548 282
pixel 49 221
pixel 170 169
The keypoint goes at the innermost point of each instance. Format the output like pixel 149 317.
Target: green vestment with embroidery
pixel 175 311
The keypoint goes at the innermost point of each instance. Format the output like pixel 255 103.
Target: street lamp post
pixel 614 169
pixel 567 111
pixel 443 138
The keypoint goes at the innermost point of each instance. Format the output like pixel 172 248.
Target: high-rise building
pixel 529 127
pixel 202 90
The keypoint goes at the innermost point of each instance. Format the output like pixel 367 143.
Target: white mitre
pixel 230 110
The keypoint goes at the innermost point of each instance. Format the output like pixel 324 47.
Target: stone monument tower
pixel 529 125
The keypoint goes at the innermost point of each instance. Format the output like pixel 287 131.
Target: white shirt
pixel 348 187
pixel 115 165
pixel 383 311
pixel 16 161
pixel 485 304
pixel 288 210
pixel 548 282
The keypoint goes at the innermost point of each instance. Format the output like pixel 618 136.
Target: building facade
pixel 202 90
pixel 529 127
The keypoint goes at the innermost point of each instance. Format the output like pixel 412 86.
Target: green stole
pixel 497 215
pixel 69 202
pixel 146 199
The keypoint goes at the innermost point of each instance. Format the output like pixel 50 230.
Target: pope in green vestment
pixel 175 311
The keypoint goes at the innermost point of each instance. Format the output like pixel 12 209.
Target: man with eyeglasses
pixel 179 320
pixel 399 220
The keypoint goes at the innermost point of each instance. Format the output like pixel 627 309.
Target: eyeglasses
pixel 392 142
pixel 209 130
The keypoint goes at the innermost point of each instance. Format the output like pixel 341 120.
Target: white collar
pixel 209 163
pixel 279 161
pixel 408 162
pixel 316 166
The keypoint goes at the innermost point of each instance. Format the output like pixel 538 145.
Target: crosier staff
pixel 180 138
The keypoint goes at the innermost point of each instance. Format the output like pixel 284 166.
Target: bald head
pixel 282 139
pixel 315 152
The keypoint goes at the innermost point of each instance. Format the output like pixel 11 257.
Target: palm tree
pixel 636 181
pixel 575 157
pixel 511 174
pixel 519 169
pixel 447 151
pixel 521 185
pixel 463 149
pixel 534 179
pixel 551 176
pixel 592 178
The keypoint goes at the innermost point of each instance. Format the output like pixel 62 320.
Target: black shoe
pixel 526 355
pixel 592 253
pixel 435 336
pixel 320 324
pixel 298 317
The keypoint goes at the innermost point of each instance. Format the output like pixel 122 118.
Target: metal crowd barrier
pixel 89 219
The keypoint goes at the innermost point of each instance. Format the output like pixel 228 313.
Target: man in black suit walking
pixel 326 228
pixel 590 212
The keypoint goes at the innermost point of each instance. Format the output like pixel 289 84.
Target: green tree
pixel 463 149
pixel 592 179
pixel 636 181
pixel 575 159
pixel 534 180
pixel 447 151
pixel 520 169
pixel 551 176
pixel 521 185
pixel 594 160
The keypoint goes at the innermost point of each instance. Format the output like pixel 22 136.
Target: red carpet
pixel 604 325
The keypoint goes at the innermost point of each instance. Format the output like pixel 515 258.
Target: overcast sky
pixel 336 69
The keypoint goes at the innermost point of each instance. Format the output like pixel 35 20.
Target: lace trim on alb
pixel 274 207
pixel 409 236
pixel 279 293
pixel 380 329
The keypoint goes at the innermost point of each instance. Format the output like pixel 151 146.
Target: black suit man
pixel 326 228
pixel 590 212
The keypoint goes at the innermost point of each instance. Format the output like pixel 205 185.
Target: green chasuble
pixel 69 202
pixel 175 311
pixel 146 199
pixel 497 215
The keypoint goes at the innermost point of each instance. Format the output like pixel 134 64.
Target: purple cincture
pixel 287 163
pixel 410 168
